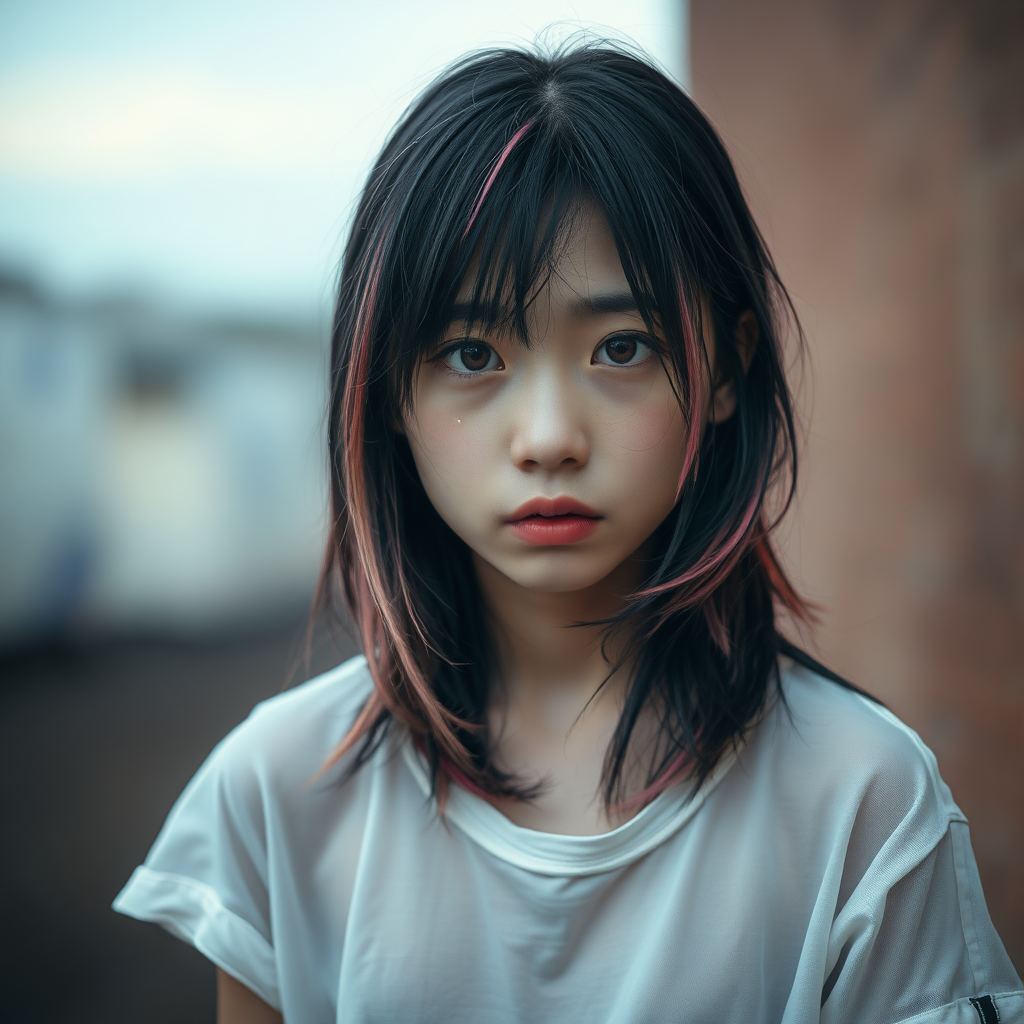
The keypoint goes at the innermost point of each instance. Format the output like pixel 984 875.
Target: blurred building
pixel 881 145
pixel 159 473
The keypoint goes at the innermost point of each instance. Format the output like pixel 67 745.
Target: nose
pixel 549 432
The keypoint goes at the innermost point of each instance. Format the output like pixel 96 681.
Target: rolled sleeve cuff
pixel 192 911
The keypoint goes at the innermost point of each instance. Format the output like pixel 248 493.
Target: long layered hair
pixel 477 184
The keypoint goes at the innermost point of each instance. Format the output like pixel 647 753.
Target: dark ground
pixel 96 742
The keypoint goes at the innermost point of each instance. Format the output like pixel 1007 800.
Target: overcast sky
pixel 208 152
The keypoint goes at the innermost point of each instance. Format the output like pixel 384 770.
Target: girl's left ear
pixel 746 335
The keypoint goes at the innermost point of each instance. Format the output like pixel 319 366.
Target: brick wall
pixel 881 145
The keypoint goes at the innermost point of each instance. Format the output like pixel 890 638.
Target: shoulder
pixel 321 709
pixel 865 813
pixel 250 817
pixel 851 731
pixel 848 763
pixel 286 740
pixel 265 767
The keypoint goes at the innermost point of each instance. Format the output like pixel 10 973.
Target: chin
pixel 559 574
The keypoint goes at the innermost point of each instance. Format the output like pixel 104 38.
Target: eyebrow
pixel 581 306
pixel 609 302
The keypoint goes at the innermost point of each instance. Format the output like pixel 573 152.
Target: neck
pixel 543 654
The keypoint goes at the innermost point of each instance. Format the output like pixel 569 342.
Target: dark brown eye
pixel 621 350
pixel 472 357
pixel 475 357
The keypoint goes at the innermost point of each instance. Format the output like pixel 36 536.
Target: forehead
pixel 585 265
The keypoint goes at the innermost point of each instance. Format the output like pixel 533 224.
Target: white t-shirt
pixel 823 873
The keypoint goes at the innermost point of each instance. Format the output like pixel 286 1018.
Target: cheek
pixel 451 450
pixel 650 443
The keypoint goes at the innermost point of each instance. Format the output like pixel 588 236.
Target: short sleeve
pixel 246 828
pixel 205 879
pixel 915 943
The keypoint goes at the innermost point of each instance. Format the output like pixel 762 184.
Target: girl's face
pixel 554 463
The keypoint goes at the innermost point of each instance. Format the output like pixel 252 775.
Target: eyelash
pixel 642 342
pixel 643 345
pixel 450 350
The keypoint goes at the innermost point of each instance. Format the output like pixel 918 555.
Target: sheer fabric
pixel 822 873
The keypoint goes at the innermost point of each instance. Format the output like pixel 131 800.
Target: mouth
pixel 553 521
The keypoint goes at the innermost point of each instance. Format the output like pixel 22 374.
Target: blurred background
pixel 175 183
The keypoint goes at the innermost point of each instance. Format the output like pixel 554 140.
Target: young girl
pixel 578 775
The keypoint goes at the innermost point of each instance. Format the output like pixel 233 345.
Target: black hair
pixel 481 177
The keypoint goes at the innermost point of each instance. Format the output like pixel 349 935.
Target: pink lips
pixel 553 521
